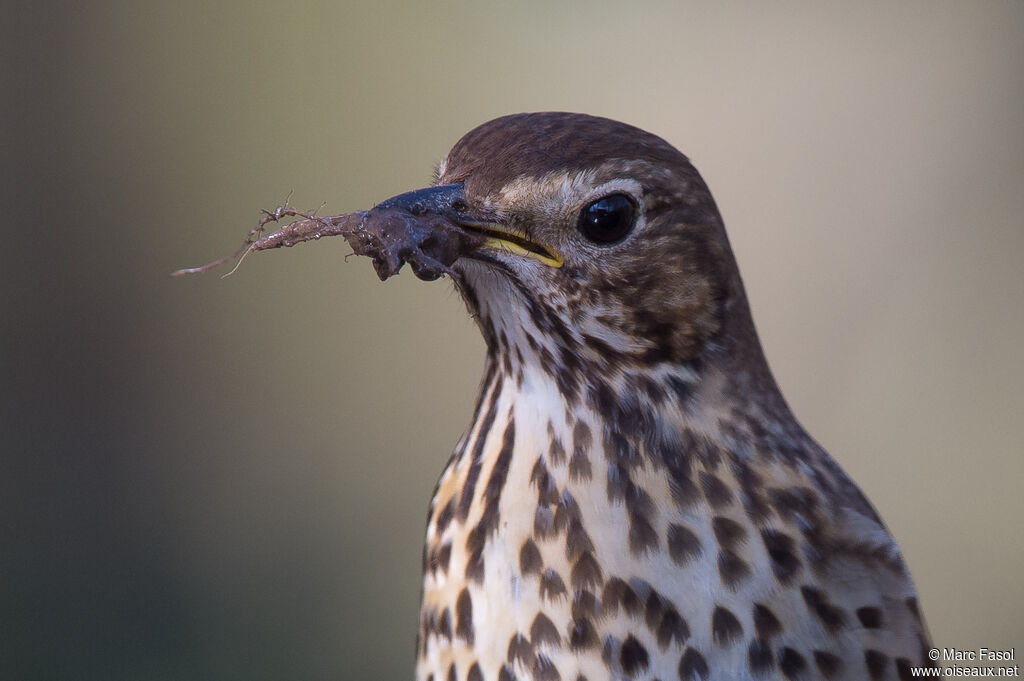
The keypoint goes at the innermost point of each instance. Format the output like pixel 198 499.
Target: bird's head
pixel 600 243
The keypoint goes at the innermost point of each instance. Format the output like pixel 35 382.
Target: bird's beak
pixel 447 201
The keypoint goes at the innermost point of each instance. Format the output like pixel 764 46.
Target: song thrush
pixel 634 498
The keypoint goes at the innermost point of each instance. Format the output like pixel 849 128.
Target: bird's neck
pixel 591 371
pixel 644 410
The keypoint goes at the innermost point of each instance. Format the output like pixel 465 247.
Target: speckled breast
pixel 560 548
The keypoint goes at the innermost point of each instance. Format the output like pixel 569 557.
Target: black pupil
pixel 608 219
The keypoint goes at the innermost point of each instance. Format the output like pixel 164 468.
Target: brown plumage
pixel 633 498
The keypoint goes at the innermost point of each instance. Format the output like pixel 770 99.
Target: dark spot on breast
pixel 903 669
pixel 876 662
pixel 725 628
pixel 452 676
pixel 475 548
pixel 703 448
pixel 831 616
pixel 765 622
pixel 672 628
pixel 582 634
pixel 577 540
pixel 638 501
pixel 444 557
pixel 677 460
pixel 654 608
pixel 756 506
pixel 474 673
pixel 496 481
pixel 475 566
pixel 760 657
pixel 506 674
pixel 438 623
pixel 684 492
pixel 870 617
pixel 633 656
pixel 464 617
pixel 693 666
pixel 547 492
pixel 551 585
pixel 422 632
pixel 521 649
pixel 827 663
pixel 444 517
pixel 602 398
pixel 618 481
pixel 792 502
pixel 579 463
pixel 732 569
pixel 585 604
pixel 444 624
pixel 432 559
pixel 715 491
pixel 543 631
pixel 544 669
pixel 782 551
pixel 586 573
pixel 675 452
pixel 617 593
pixel 746 476
pixel 791 663
pixel 529 558
pixel 642 537
pixel 476 460
pixel 565 511
pixel 543 522
pixel 621 449
pixel 579 466
pixel 568 383
pixel 581 436
pixel 683 544
pixel 555 449
pixel 727 531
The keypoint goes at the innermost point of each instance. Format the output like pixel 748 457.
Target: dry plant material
pixel 390 236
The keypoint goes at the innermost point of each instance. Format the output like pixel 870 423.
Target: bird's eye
pixel 607 220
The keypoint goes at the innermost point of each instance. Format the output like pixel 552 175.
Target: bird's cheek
pixel 678 319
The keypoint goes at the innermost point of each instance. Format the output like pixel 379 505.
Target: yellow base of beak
pixel 554 260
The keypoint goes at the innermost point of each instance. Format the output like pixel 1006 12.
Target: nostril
pixel 459 206
pixel 418 209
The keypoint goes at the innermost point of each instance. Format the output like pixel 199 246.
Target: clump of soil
pixel 390 236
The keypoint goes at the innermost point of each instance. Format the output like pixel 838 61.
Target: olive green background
pixel 227 479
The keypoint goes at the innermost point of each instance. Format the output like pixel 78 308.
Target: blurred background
pixel 227 479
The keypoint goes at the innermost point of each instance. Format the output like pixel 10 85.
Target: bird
pixel 633 498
